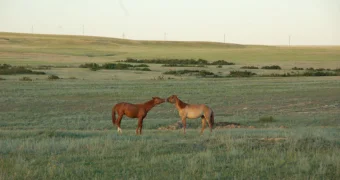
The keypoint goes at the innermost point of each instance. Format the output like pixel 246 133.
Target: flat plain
pixel 266 127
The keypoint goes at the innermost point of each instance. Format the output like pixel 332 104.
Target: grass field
pixel 62 129
pixel 73 50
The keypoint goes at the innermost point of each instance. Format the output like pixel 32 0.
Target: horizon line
pixel 217 42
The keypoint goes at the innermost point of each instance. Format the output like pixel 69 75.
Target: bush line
pixel 114 66
pixel 172 62
pixel 6 69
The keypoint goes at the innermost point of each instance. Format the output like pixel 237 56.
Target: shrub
pixel 297 68
pixel 25 79
pixel 319 73
pixel 109 66
pixel 5 66
pixel 266 119
pixel 167 61
pixel 183 65
pixel 89 65
pixel 120 66
pixel 271 67
pixel 249 67
pixel 53 77
pixel 123 66
pixel 306 73
pixel 44 67
pixel 205 73
pixel 202 73
pixel 320 69
pixel 241 73
pixel 202 61
pixel 172 65
pixel 178 61
pixel 222 62
pixel 130 60
pixel 94 68
pixel 180 72
pixel 219 66
pixel 142 69
pixel 7 69
pixel 62 66
pixel 337 70
pixel 2 79
pixel 282 75
pixel 141 65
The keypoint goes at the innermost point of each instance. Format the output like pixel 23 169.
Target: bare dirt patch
pixel 227 125
pixel 273 139
pixel 177 125
pixel 218 125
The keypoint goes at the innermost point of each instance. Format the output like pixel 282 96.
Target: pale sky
pixel 269 22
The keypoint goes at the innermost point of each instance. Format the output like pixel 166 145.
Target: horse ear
pixel 153 97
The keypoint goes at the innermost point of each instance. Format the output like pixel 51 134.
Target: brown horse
pixel 134 111
pixel 193 111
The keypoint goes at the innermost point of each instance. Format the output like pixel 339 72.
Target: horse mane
pixel 149 104
pixel 181 104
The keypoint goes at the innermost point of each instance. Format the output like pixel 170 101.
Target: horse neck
pixel 180 104
pixel 149 105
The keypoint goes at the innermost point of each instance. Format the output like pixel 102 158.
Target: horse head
pixel 158 100
pixel 172 99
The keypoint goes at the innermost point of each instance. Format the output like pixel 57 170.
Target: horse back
pixel 124 106
pixel 196 110
pixel 131 110
pixel 199 107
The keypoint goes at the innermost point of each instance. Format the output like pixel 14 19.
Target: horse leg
pixel 203 124
pixel 208 119
pixel 120 116
pixel 209 123
pixel 184 123
pixel 140 126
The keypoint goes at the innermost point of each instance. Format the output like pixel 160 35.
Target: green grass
pixel 225 154
pixel 289 127
pixel 62 129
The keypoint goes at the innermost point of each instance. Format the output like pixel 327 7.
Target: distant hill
pixel 20 48
pixel 95 40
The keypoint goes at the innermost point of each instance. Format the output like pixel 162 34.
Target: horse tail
pixel 114 115
pixel 212 118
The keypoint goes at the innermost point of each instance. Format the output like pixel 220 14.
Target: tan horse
pixel 193 111
pixel 134 111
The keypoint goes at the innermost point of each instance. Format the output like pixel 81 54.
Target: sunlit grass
pixel 62 129
pixel 289 127
pixel 80 49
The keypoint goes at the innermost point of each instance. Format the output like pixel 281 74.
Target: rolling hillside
pixel 16 48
